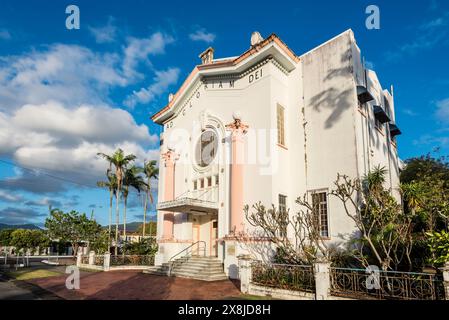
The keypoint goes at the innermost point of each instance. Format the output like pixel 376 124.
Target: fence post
pixel 106 261
pixel 445 270
pixel 245 273
pixel 322 280
pixel 79 259
pixel 92 258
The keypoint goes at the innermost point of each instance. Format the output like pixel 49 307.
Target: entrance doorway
pixel 213 238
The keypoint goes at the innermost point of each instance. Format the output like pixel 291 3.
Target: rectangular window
pixel 209 181
pixel 281 124
pixel 319 203
pixel 217 180
pixel 202 183
pixel 195 185
pixel 283 209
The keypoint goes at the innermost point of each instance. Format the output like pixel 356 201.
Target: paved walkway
pixel 134 285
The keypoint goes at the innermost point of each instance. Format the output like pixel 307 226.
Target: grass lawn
pixel 32 274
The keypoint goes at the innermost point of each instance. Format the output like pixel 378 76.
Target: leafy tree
pixel 151 172
pixel 72 227
pixel 120 162
pixel 384 229
pixel 428 192
pixel 5 237
pixel 24 240
pixel 439 246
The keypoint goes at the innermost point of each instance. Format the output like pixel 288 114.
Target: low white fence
pixel 108 262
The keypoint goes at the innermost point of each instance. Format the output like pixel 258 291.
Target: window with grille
pixel 319 202
pixel 209 181
pixel 217 180
pixel 281 124
pixel 195 185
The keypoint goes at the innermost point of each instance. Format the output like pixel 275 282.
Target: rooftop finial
pixel 256 38
pixel 207 56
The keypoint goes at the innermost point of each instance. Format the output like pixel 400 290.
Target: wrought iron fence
pixel 132 260
pixel 282 276
pixel 358 283
pixel 85 259
pixel 99 260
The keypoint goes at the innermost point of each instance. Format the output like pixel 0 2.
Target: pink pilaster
pixel 238 130
pixel 169 194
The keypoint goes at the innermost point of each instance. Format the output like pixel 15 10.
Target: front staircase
pixel 192 267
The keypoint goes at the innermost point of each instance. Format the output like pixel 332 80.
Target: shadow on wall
pixel 334 98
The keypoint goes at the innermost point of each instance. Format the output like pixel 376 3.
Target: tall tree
pixel 151 172
pixel 111 185
pixel 120 162
pixel 131 178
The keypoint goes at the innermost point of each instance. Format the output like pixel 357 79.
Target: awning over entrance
pixel 194 206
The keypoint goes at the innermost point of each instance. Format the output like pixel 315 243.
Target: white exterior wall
pixel 326 134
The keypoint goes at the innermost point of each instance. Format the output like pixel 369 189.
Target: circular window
pixel 206 148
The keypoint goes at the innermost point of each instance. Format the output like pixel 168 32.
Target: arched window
pixel 206 148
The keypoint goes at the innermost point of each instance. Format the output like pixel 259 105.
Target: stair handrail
pixel 171 261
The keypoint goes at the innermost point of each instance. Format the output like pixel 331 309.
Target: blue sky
pixel 67 94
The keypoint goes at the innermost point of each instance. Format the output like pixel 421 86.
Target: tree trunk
pixel 145 214
pixel 117 219
pixel 111 195
pixel 125 201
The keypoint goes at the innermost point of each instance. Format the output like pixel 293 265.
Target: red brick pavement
pixel 134 285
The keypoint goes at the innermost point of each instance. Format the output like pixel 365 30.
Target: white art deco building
pixel 270 126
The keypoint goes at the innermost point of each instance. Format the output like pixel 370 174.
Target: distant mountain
pixel 19 226
pixel 132 226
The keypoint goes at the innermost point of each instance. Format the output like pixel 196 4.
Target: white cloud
pixel 4 34
pixel 67 73
pixel 162 80
pixel 202 35
pixel 442 112
pixel 65 141
pixel 138 50
pixel 9 196
pixel 105 34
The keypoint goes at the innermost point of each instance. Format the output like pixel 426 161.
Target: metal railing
pixel 358 283
pixel 85 259
pixel 99 260
pixel 282 276
pixel 186 254
pixel 132 260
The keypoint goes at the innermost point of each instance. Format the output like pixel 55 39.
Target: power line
pixel 47 174
pixel 51 175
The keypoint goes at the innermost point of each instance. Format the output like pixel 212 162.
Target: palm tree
pixel 131 178
pixel 151 171
pixel 111 185
pixel 120 162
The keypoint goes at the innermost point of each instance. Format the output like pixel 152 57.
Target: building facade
pixel 268 126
